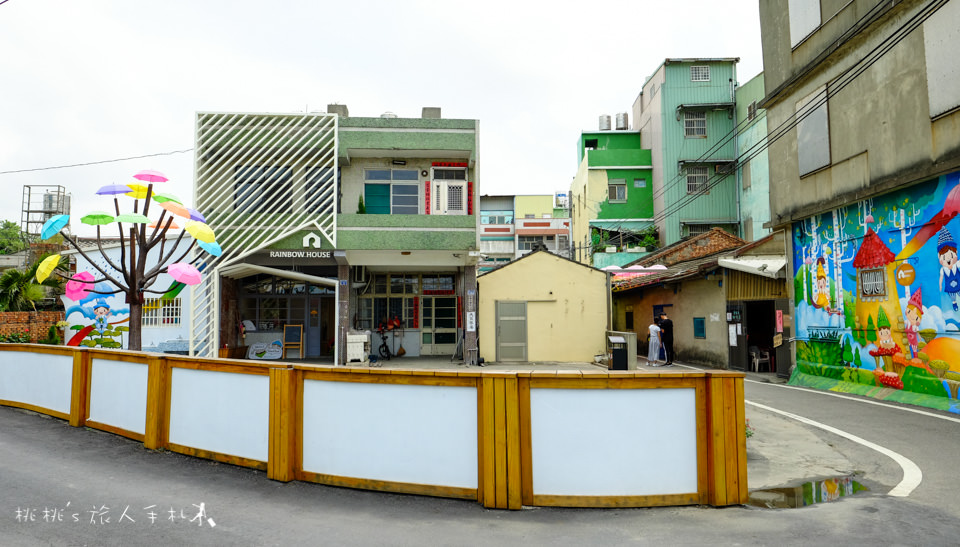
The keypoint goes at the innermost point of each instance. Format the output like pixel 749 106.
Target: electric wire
pixel 95 162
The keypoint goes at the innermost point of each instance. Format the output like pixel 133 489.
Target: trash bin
pixel 617 348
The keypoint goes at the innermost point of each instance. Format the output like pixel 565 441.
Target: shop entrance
pixel 439 331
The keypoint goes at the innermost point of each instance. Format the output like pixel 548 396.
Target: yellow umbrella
pixel 46 267
pixel 137 191
pixel 200 231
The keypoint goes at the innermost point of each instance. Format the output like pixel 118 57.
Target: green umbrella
pixel 162 198
pixel 97 218
pixel 132 218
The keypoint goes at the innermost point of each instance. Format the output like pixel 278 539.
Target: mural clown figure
pixel 913 314
pixel 949 272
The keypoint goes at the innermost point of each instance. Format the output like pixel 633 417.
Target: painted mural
pixel 877 292
pixel 97 320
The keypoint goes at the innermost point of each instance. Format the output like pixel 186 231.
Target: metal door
pixel 511 331
pixel 736 336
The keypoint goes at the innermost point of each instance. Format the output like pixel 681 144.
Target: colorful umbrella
pixel 184 273
pixel 76 289
pixel 149 175
pixel 173 225
pixel 161 198
pixel 137 191
pixel 46 267
pixel 132 218
pixel 53 226
pixel 200 231
pixel 97 218
pixel 112 189
pixel 196 215
pixel 175 208
pixel 212 248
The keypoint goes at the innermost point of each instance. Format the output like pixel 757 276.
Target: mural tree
pixel 134 274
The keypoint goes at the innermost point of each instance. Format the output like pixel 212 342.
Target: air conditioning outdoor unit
pixel 726 168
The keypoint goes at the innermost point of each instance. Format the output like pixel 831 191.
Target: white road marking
pixel 860 400
pixel 911 473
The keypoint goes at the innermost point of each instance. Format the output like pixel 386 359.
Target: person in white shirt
pixel 653 353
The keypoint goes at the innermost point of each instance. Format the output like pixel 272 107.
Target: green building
pixel 611 197
pixel 685 115
pixel 752 169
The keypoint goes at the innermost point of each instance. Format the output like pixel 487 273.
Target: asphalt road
pixel 71 486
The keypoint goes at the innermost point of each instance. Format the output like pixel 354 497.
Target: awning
pixel 621 224
pixel 767 266
pixel 239 271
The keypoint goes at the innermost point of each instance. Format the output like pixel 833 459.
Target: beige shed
pixel 543 307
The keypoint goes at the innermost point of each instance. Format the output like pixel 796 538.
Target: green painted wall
pixel 639 202
pixel 420 136
pixel 407 221
pixel 609 140
pixel 406 239
pixel 753 180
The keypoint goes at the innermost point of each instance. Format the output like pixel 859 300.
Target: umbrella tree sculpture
pixel 133 275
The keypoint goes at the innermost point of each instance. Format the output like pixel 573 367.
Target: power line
pixel 847 77
pixel 94 162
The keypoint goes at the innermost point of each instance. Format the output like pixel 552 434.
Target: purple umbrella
pixel 112 189
pixel 195 215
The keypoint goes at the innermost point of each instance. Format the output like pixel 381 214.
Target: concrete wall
pixel 753 175
pixel 880 130
pixel 566 307
pixel 533 205
pixel 700 297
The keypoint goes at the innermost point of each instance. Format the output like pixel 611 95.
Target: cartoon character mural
pixel 99 321
pixel 861 273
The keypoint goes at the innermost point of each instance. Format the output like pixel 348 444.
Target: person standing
pixel 653 353
pixel 666 337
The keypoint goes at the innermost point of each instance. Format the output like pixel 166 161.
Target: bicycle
pixel 384 349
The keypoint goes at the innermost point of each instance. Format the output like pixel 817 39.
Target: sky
pixel 95 81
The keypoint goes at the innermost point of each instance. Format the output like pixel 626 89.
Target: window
pixel 699 327
pixel 590 144
pixel 262 189
pixel 526 243
pixel 393 295
pixel 628 320
pixel 873 284
pixel 563 243
pixel 529 215
pixel 943 64
pixel 617 190
pixel 694 124
pixel 697 229
pixel 696 179
pixel 813 132
pixel 745 175
pixel 450 191
pixel 496 217
pixel 161 312
pixel 386 193
pixel 272 302
pixel 752 110
pixel 699 73
pixel 639 183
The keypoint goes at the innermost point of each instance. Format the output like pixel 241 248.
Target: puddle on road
pixel 808 493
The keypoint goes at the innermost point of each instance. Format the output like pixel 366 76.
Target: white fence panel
pixel 118 394
pixel 613 442
pixel 400 433
pixel 40 379
pixel 223 412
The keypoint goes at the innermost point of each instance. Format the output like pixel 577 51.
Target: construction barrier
pixel 505 439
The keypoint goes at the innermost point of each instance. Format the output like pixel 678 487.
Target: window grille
pixel 694 123
pixel 873 283
pixel 699 73
pixel 696 179
pixel 158 312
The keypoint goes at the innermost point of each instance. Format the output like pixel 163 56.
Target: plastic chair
pixel 759 357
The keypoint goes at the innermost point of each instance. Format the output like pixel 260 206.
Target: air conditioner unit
pixel 726 168
pixel 360 274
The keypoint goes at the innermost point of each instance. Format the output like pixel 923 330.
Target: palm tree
pixel 20 292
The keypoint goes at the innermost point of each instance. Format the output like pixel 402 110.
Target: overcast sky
pixel 88 81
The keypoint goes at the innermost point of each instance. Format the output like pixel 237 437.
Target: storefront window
pixel 398 295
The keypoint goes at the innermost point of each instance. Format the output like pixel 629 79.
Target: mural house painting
pixel 876 286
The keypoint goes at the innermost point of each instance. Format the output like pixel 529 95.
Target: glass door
pixel 439 330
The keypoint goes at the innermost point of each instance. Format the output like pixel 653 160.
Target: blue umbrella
pixel 53 226
pixel 212 248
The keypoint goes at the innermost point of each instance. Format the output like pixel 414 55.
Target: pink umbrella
pixel 184 273
pixel 150 175
pixel 76 289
